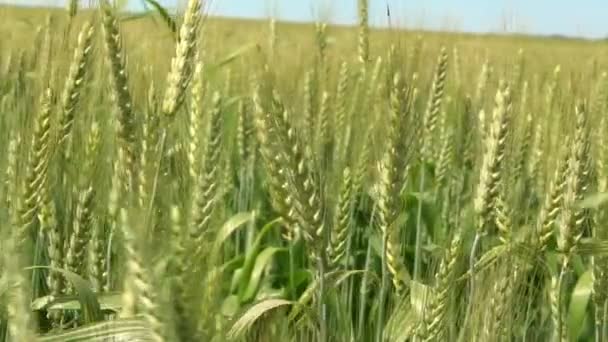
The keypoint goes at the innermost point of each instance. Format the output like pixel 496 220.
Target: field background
pixel 448 187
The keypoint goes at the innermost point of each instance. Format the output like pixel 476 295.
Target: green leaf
pixel 4 286
pixel 401 324
pixel 230 306
pixel 134 16
pixel 253 314
pixel 594 201
pixel 260 265
pixel 107 301
pixel 251 256
pixel 301 276
pixel 418 296
pixel 236 279
pixel 578 304
pixel 486 260
pixel 266 291
pixel 231 225
pixel 233 56
pixel 87 298
pixel 333 279
pixel 592 246
pixel 131 329
pixel 164 14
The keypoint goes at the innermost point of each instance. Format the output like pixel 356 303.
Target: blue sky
pixel 587 18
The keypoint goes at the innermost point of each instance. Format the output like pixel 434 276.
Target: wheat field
pixel 188 178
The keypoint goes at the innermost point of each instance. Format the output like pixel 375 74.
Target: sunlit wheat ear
pixel 272 38
pixel 342 219
pixel 553 202
pixel 503 217
pixel 446 157
pixel 75 80
pixel 116 199
pixel 518 68
pixel 207 184
pixel 437 308
pixel 36 173
pixel 482 83
pixel 47 216
pixel 600 262
pixel 97 258
pixel 277 180
pixel 373 87
pixel 573 218
pixel 321 40
pixel 196 120
pixel 599 276
pixel 535 167
pixel 81 233
pixel 363 42
pixel 491 169
pixel 10 177
pixel 413 55
pixel 392 169
pixel 228 81
pixel 306 204
pixel 457 66
pixel 310 109
pixel 129 296
pixel 95 248
pixel 445 153
pixel 120 90
pixel 245 134
pixel 341 111
pixel 433 108
pixel 18 310
pixel 552 88
pixel 302 184
pixel 523 152
pixel 46 53
pixel 498 318
pixel 183 320
pixel 149 146
pixel 181 65
pixel 323 129
pixel 72 8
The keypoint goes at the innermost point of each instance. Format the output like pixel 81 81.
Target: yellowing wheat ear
pixel 194 180
pixel 363 47
pixel 75 80
pixel 72 8
pixel 120 92
pixel 181 65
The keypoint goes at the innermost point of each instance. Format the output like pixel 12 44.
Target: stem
pixel 156 177
pixel 383 291
pixel 348 293
pixel 598 324
pixel 109 257
pixel 604 317
pixel 418 247
pixel 560 283
pixel 472 259
pixel 321 304
pixel 363 294
pixel 292 281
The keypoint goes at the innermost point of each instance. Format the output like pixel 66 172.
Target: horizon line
pixel 175 9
